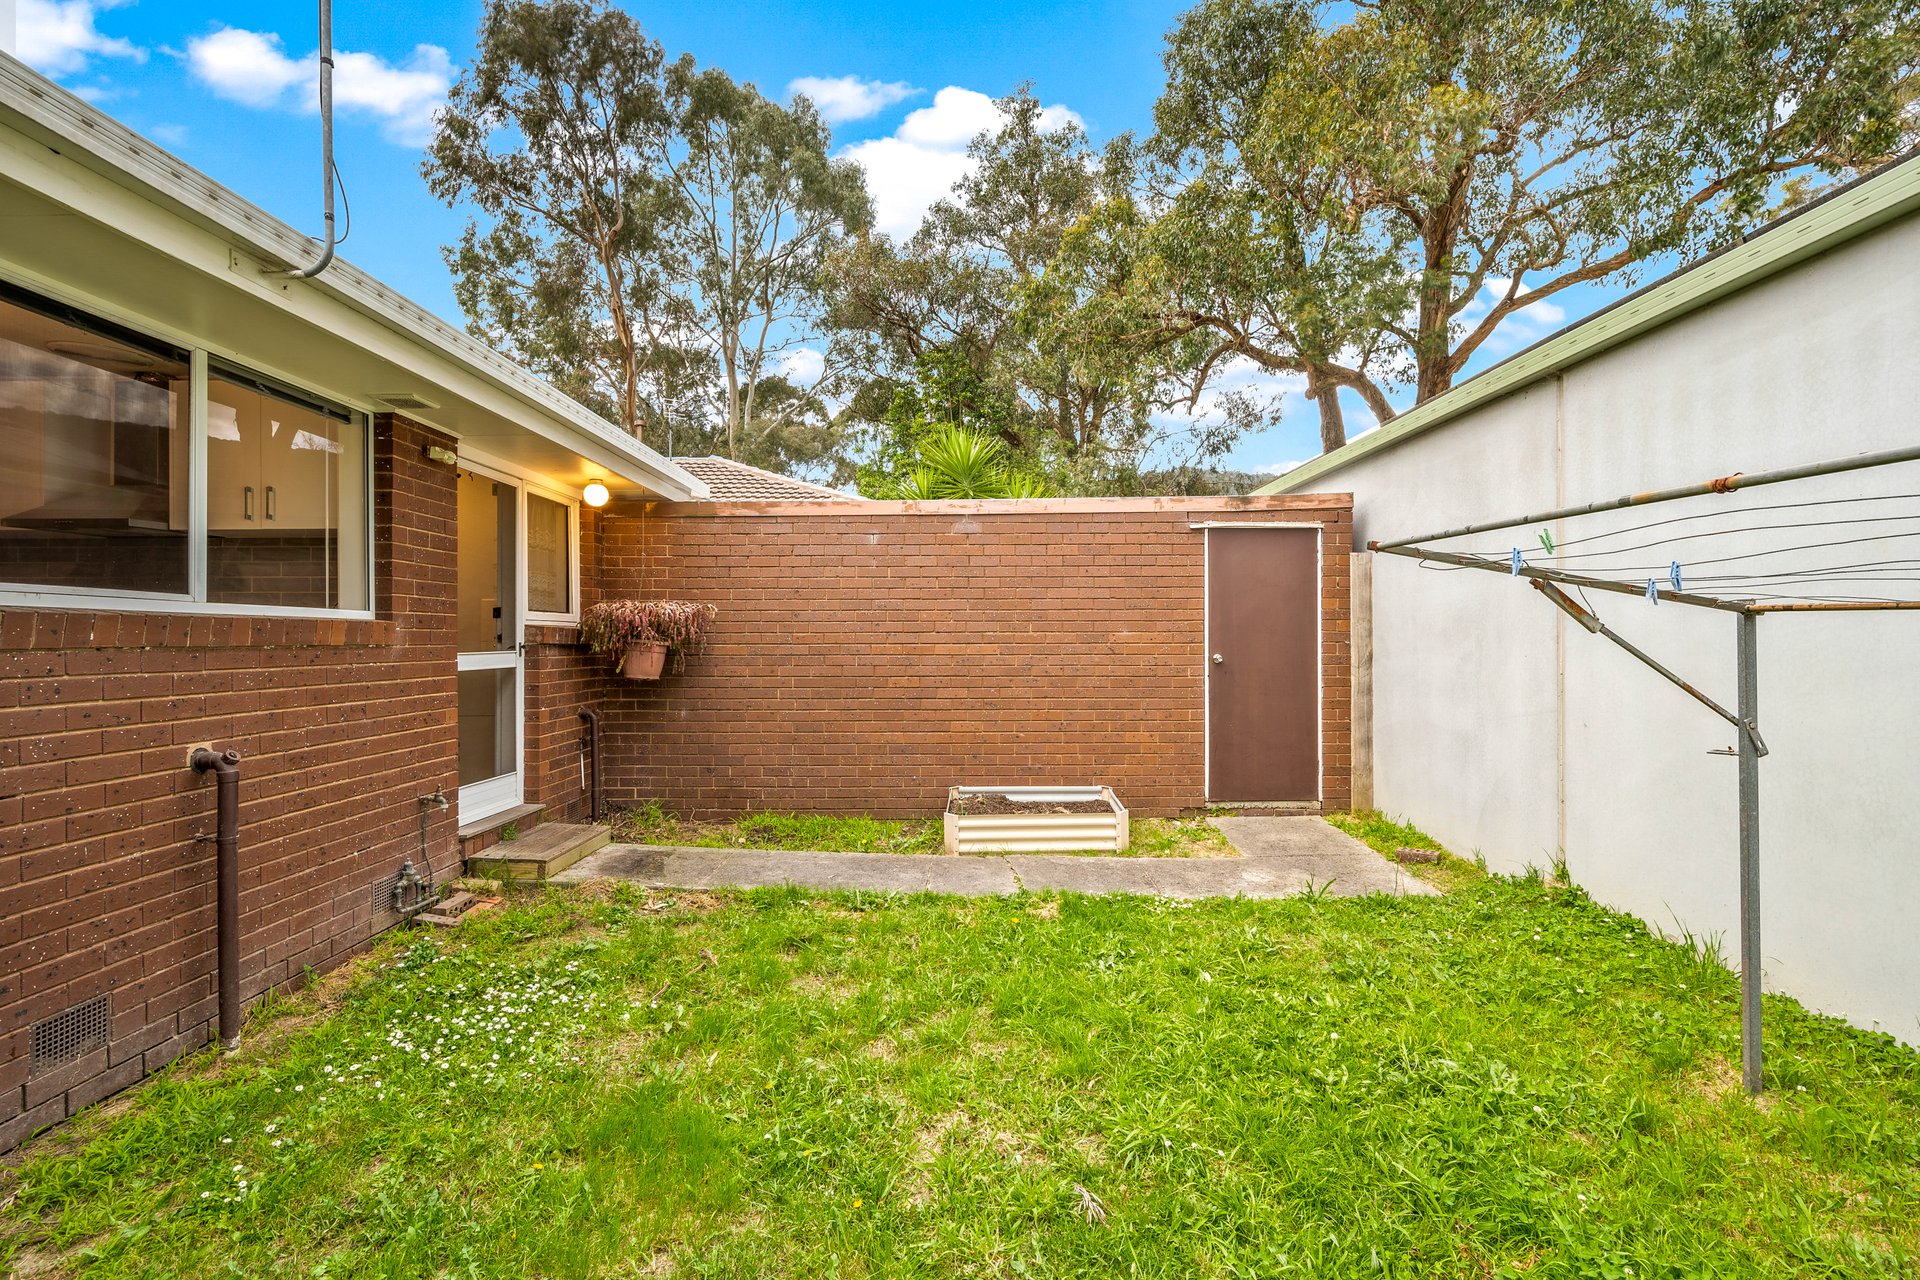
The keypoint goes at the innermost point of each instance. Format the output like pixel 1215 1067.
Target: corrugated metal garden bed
pixel 1035 820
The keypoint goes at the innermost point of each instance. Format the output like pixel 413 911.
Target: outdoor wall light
pixel 596 493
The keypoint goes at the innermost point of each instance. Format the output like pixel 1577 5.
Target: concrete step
pixel 542 853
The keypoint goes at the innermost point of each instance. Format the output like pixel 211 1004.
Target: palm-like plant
pixel 960 462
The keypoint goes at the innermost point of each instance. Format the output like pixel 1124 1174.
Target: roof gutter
pixel 1846 214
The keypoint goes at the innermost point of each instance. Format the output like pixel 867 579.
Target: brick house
pixel 308 522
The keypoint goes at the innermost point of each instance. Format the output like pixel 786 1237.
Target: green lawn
pixel 651 824
pixel 607 1082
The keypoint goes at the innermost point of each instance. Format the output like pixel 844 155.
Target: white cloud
pixel 59 37
pixel 844 98
pixel 927 154
pixel 1275 468
pixel 248 67
pixel 406 96
pixel 254 69
pixel 956 117
pixel 906 180
pixel 174 135
pixel 801 366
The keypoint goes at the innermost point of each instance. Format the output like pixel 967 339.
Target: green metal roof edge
pixel 1849 212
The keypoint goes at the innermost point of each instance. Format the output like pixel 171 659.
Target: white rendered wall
pixel 1505 730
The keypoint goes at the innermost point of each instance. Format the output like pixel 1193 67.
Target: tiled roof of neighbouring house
pixel 732 481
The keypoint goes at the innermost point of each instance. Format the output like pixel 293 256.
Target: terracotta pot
pixel 645 662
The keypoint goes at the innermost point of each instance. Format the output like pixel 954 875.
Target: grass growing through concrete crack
pixel 833 833
pixel 607 1082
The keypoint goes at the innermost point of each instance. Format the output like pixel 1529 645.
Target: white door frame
pixel 1320 647
pixel 480 800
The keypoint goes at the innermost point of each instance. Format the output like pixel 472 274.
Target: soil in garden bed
pixel 989 803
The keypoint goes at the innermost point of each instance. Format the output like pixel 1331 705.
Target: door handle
pixel 1218 658
pixel 273 504
pixel 246 504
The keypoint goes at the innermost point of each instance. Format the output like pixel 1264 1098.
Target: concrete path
pixel 1280 856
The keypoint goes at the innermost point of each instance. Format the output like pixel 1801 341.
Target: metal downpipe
pixel 225 767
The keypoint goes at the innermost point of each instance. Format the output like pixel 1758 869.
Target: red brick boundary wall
pixel 105 887
pixel 870 655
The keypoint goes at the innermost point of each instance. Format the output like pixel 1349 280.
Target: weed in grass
pixel 608 1080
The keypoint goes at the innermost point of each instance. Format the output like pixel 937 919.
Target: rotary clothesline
pixel 1705 581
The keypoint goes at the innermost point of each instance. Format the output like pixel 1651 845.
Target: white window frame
pixel 534 617
pixel 88 599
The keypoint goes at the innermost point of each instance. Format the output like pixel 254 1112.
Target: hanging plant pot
pixel 645 662
pixel 637 635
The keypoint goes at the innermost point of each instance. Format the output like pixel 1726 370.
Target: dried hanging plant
pixel 617 627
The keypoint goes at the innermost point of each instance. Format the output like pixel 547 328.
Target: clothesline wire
pixel 1749 555
pixel 1723 512
pixel 1558 555
pixel 1904 569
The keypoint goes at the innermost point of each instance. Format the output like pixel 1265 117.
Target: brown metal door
pixel 1263 665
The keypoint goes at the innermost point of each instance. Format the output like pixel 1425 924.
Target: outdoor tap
pixel 408 880
pixel 438 800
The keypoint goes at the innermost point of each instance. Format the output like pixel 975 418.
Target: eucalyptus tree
pixel 544 134
pixel 952 297
pixel 650 233
pixel 1497 154
pixel 1210 267
pixel 761 205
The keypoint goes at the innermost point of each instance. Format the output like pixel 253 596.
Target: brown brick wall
pixel 868 656
pixel 341 724
pixel 562 680
pixel 559 685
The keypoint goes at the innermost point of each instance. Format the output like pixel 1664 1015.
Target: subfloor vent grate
pixel 69 1035
pixel 383 896
pixel 384 911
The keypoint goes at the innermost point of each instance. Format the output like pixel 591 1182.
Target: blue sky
pixel 227 85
